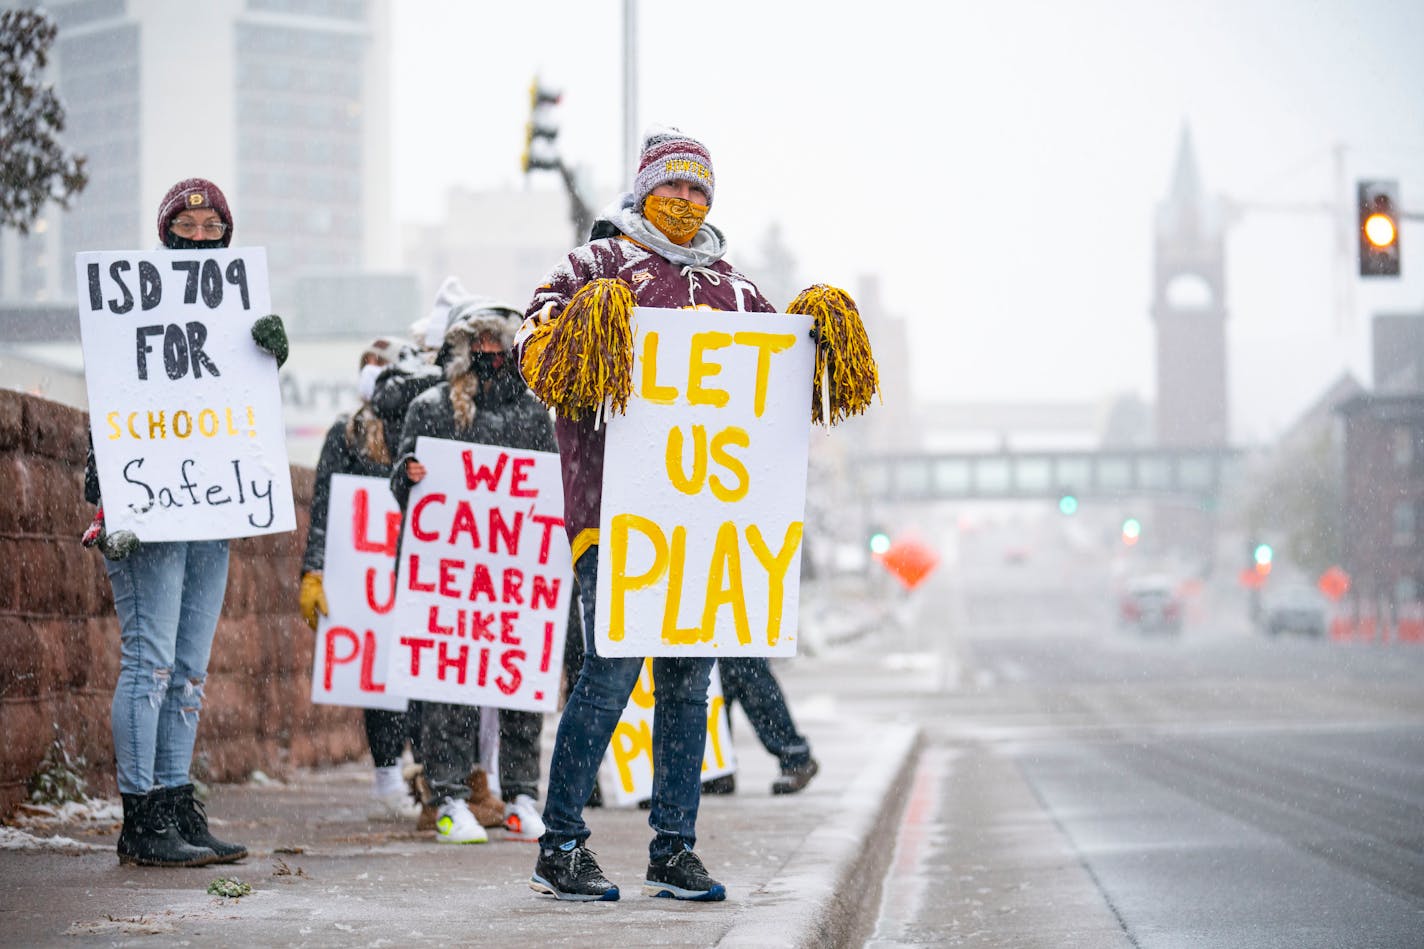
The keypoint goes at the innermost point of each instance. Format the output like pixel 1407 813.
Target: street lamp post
pixel 630 88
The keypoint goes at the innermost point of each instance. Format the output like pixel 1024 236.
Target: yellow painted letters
pixel 775 573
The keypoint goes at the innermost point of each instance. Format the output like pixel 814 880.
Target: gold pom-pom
pixel 846 374
pixel 588 356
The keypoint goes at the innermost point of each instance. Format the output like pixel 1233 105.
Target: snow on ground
pixel 12 838
pixel 89 810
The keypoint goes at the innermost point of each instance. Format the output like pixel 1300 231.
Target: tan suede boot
pixel 488 809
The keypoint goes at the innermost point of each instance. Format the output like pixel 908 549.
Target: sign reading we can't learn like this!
pixel 704 487
pixel 482 595
pixel 184 408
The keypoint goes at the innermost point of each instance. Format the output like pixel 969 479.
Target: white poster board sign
pixel 482 595
pixel 353 641
pixel 704 487
pixel 626 775
pixel 184 408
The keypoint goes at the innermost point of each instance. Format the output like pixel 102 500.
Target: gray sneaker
pixel 682 877
pixel 570 873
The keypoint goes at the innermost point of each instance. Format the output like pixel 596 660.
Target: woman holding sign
pixel 168 596
pixel 484 401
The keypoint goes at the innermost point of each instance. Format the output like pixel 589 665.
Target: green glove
pixel 269 333
pixel 118 545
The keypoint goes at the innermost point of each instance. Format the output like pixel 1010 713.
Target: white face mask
pixel 366 385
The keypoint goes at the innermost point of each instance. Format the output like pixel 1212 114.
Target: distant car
pixel 1151 604
pixel 1294 609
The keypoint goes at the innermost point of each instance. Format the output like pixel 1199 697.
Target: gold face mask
pixel 678 218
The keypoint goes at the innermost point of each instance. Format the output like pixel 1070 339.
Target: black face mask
pixel 502 379
pixel 487 366
pixel 174 242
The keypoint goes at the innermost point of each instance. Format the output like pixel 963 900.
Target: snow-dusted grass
pixel 88 811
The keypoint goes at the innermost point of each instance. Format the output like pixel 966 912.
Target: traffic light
pixel 1378 208
pixel 1131 531
pixel 541 129
pixel 1262 555
pixel 1068 504
pixel 879 542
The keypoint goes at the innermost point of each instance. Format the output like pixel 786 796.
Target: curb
pixel 829 890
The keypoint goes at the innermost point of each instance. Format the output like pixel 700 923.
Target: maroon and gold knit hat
pixel 193 193
pixel 669 155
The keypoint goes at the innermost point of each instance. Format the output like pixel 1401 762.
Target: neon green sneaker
pixel 454 824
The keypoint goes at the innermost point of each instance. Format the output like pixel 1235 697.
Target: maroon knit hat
pixel 193 193
pixel 669 155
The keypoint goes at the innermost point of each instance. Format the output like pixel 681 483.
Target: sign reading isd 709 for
pixel 184 408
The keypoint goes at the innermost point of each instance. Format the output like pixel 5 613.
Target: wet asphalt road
pixel 1085 785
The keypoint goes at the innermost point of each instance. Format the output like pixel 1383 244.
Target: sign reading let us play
pixel 704 487
pixel 627 769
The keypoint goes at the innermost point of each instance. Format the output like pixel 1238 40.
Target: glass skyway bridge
pixel 1135 473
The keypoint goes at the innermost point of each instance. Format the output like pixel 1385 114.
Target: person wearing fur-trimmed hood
pixel 482 400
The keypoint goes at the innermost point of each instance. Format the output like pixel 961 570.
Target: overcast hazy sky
pixel 996 163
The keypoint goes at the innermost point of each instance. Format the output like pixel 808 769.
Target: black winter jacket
pixel 338 456
pixel 510 420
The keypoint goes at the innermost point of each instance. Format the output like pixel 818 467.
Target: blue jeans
pixel 594 707
pixel 168 596
pixel 749 680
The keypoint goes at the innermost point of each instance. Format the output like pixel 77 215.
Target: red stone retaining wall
pixel 59 636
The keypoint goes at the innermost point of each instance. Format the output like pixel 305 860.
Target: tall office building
pixel 284 103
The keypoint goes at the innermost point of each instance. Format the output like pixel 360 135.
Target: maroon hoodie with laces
pixel 701 280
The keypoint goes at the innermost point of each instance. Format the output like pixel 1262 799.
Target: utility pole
pixel 1344 269
pixel 630 89
pixel 1338 210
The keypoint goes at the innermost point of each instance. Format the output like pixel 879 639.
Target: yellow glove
pixel 313 598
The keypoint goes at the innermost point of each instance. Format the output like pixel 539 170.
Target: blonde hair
pixel 366 433
pixel 463 389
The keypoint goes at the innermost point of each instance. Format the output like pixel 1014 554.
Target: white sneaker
pixel 522 820
pixel 393 807
pixel 454 824
pixel 390 796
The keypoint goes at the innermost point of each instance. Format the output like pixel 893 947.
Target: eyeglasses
pixel 190 228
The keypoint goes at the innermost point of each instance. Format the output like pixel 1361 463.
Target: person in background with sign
pixel 359 444
pixel 750 681
pixel 168 596
pixel 655 241
pixel 483 401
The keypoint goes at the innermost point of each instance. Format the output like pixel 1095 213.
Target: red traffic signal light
pixel 1377 207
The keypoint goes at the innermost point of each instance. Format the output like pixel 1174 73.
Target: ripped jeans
pixel 168 596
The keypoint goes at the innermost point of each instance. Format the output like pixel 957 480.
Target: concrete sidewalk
pixel 800 870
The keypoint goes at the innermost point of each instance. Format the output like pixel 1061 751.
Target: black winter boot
pixel 192 820
pixel 150 836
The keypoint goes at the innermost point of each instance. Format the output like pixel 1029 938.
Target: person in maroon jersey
pixel 654 240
